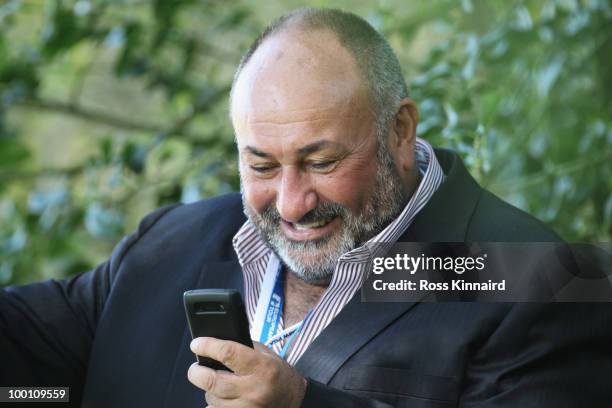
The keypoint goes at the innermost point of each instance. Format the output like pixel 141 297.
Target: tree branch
pixel 90 114
pixel 11 175
pixel 177 128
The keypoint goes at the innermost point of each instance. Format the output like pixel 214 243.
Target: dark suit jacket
pixel 118 336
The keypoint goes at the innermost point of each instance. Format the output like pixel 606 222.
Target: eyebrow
pixel 256 152
pixel 313 147
pixel 303 151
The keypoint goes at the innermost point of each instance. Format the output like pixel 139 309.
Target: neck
pixel 414 182
pixel 300 297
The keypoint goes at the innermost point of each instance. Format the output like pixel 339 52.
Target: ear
pixel 405 123
pixel 403 135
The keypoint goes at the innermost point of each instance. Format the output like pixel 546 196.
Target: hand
pixel 260 377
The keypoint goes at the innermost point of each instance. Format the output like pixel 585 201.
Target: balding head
pixel 294 73
pixel 374 59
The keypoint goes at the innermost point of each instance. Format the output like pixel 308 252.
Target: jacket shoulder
pixel 225 209
pixel 212 222
pixel 494 220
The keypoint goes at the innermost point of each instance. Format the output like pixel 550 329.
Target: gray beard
pixel 315 261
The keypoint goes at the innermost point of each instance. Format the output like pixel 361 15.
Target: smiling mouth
pixel 304 226
pixel 309 231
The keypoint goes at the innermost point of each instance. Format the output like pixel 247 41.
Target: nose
pixel 295 195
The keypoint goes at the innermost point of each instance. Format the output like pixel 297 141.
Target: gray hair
pixel 373 55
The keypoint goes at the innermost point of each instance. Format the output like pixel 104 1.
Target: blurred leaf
pixel 63 30
pixel 134 157
pixel 103 222
pixel 12 153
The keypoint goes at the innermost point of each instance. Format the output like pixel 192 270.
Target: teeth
pixel 305 226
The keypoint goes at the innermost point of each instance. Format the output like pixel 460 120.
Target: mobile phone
pixel 218 313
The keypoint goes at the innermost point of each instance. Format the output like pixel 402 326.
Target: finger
pixel 219 383
pixel 238 357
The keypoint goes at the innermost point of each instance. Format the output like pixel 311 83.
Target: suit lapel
pixel 447 215
pixel 355 325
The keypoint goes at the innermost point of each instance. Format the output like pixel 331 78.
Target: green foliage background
pixel 110 108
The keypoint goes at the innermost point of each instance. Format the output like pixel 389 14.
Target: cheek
pixel 349 187
pixel 257 193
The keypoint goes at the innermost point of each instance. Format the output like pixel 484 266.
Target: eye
pixel 262 168
pixel 323 165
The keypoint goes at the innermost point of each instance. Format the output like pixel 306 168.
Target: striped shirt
pixel 351 269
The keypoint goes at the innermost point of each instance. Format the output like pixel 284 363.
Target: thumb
pixel 262 349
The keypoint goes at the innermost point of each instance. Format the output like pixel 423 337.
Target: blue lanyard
pixel 272 313
pixel 295 332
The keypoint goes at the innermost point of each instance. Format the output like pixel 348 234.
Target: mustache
pixel 324 211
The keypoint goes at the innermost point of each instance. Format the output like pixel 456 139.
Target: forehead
pixel 298 82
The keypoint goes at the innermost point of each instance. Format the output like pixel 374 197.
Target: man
pixel 329 161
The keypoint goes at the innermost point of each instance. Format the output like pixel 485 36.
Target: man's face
pixel 314 182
